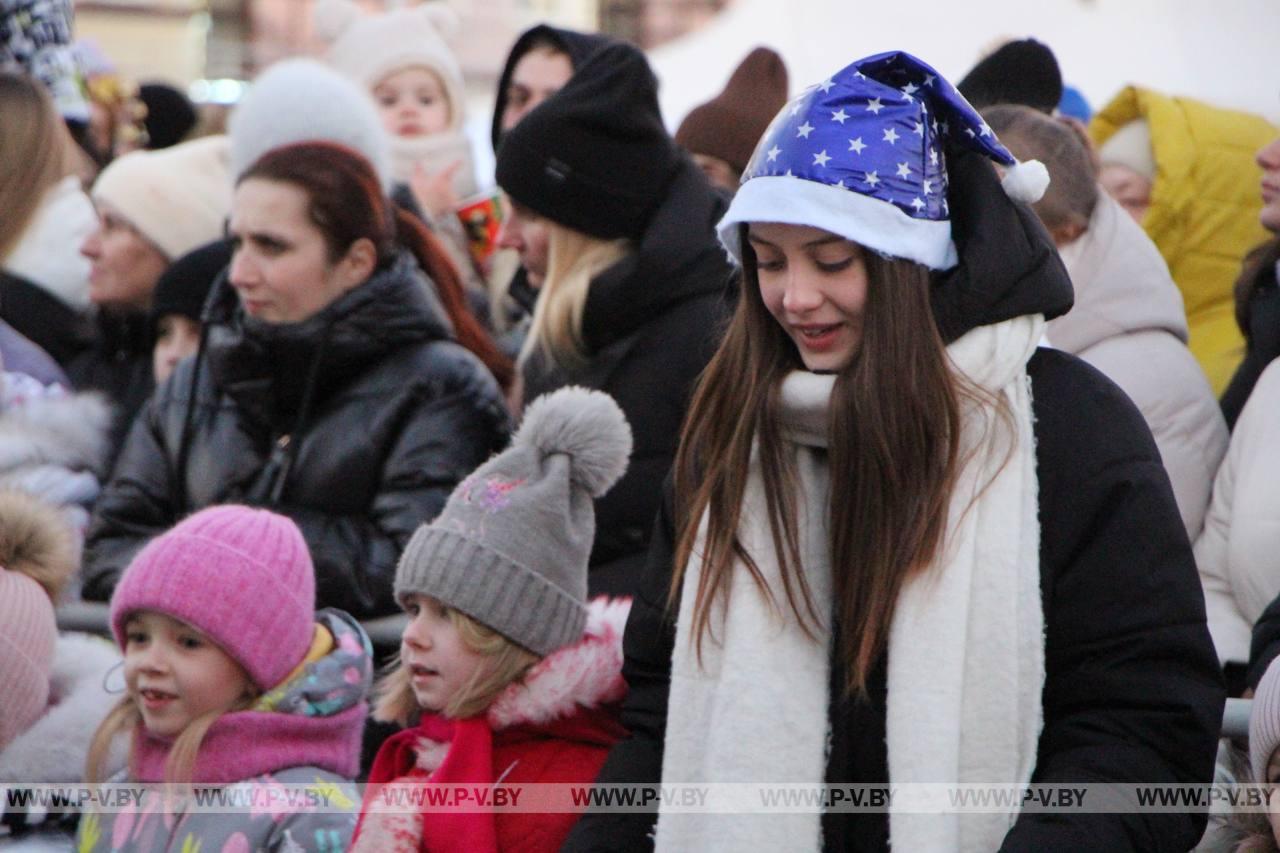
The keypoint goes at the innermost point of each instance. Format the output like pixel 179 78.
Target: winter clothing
pixel 178 198
pixel 1130 146
pixel 1131 690
pixel 575 45
pixel 300 100
pixel 35 39
pixel 650 324
pixel 1264 722
pixel 510 547
pixel 1265 643
pixel 356 423
pixel 47 254
pixel 1236 551
pixel 1128 322
pixel 1259 317
pixel 1018 72
pixel 554 725
pixel 905 213
pixel 242 576
pixel 184 286
pixel 306 731
pixel 595 157
pixel 1204 207
pixel 53 444
pixel 119 366
pixel 27 640
pixel 18 354
pixel 730 124
pixel 170 115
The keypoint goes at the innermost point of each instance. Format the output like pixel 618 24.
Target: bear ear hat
pixel 333 18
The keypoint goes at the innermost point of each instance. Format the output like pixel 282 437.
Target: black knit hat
pixel 594 157
pixel 730 125
pixel 1021 72
pixel 183 287
pixel 170 116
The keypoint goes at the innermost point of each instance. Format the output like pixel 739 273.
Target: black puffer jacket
pixel 118 363
pixel 1260 319
pixel 651 324
pixel 356 423
pixel 52 324
pixel 1132 689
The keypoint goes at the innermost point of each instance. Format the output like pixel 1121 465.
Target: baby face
pixel 412 102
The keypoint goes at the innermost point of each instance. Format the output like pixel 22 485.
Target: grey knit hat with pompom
pixel 510 548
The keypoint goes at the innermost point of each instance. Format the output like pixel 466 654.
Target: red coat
pixel 555 725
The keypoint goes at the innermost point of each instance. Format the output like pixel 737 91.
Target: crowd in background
pixel 805 444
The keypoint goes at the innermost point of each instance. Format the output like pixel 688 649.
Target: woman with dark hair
pixel 327 386
pixel 904 544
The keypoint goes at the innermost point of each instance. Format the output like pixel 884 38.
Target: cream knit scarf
pixel 966 646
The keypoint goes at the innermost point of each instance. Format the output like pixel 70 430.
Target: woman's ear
pixel 360 261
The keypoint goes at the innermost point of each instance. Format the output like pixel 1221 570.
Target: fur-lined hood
pixel 52 427
pixel 54 749
pixel 587 674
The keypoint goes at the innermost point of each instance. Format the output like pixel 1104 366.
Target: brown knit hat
pixel 729 125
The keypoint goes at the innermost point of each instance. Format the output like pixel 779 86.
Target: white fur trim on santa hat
pixel 876 224
pixel 368 47
pixel 178 198
pixel 302 100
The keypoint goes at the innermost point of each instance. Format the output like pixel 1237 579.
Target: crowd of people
pixel 865 430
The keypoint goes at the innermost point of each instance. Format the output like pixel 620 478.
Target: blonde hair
pixel 506 663
pixel 573 260
pixel 35 153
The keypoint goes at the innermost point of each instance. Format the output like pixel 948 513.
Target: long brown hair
pixel 894 428
pixel 346 203
pixel 35 153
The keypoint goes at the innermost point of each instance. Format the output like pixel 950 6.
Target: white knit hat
pixel 1264 721
pixel 178 198
pixel 1130 146
pixel 302 100
pixel 369 47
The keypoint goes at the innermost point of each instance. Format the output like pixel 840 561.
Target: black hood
pixel 677 257
pixel 578 46
pixel 1009 266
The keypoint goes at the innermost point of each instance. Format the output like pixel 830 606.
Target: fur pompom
pixel 332 17
pixel 442 17
pixel 1026 181
pixel 37 541
pixel 585 425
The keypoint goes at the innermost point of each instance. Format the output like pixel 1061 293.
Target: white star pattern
pixel 928 79
pixel 986 131
pixel 910 89
pixel 788 174
pixel 773 153
pixel 928 186
pixel 795 108
pixel 839 116
pixel 919 128
pixel 804 130
pixel 917 204
pixel 872 179
pixel 969 130
pixel 890 135
pixel 874 106
pixel 933 156
pixel 935 125
pixel 821 158
pixel 859 75
pixel 856 145
pixel 826 86
pixel 904 171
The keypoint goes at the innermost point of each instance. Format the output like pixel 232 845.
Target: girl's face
pixel 124 265
pixel 439 662
pixel 1131 190
pixel 815 285
pixel 412 102
pixel 281 268
pixel 175 674
pixel 177 337
pixel 537 76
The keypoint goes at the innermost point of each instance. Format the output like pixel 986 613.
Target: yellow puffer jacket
pixel 1204 208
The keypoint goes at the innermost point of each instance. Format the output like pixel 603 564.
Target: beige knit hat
pixel 1130 146
pixel 178 198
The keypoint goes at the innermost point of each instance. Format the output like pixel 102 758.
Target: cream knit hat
pixel 178 198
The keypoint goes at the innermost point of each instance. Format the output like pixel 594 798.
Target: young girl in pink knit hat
pixel 507 675
pixel 232 679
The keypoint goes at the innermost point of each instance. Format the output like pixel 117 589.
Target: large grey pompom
pixel 585 425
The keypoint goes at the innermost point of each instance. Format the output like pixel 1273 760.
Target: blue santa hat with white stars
pixel 863 155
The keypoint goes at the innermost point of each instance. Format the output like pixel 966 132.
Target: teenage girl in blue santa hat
pixel 954 556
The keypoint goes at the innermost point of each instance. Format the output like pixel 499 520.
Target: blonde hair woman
pixel 614 226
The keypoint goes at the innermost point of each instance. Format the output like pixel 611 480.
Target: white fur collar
pixel 70 431
pixel 55 747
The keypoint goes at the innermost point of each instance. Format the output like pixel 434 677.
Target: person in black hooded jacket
pixel 614 225
pixel 327 387
pixel 1045 626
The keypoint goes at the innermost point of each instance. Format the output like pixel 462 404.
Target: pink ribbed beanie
pixel 28 634
pixel 242 576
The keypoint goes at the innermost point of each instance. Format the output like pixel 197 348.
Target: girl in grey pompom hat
pixel 506 671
